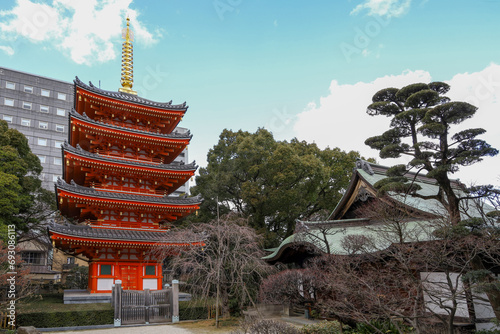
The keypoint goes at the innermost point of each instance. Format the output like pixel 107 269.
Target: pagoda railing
pixel 136 158
pixel 145 128
pixel 129 190
pixel 123 224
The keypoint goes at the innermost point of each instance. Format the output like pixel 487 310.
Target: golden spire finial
pixel 127 79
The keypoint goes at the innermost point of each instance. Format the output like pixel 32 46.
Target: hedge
pixel 188 311
pixel 66 319
pixel 95 317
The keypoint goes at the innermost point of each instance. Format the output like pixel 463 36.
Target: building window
pixel 43 125
pixel 42 141
pixel 44 108
pixel 42 158
pixel 150 270
pixel 70 260
pixel 27 105
pixel 10 85
pixel 105 269
pixel 8 119
pixel 59 128
pixel 61 112
pixel 57 161
pixel 28 89
pixel 8 102
pixel 32 257
pixel 55 177
pixel 25 122
pixel 58 143
pixel 45 92
pixel 61 96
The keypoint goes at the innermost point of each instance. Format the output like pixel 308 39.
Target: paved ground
pixel 167 329
pixel 174 329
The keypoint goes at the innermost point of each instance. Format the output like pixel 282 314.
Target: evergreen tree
pixel 23 201
pixel 272 183
pixel 421 121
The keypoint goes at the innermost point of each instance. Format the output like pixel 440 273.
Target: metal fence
pixel 145 307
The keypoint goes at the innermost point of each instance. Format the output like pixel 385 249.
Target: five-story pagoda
pixel 118 173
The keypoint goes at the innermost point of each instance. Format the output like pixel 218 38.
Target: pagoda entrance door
pixel 129 277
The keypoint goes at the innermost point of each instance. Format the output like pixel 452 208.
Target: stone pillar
pixel 175 301
pixel 117 302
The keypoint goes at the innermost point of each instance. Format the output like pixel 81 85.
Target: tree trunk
pixel 493 294
pixel 217 306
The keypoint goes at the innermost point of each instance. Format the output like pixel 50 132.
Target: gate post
pixel 175 301
pixel 113 295
pixel 117 302
pixel 147 297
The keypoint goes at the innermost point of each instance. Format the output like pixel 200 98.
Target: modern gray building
pixel 39 108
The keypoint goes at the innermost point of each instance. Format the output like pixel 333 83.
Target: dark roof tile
pixel 130 97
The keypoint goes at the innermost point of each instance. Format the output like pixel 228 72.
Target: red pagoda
pixel 119 170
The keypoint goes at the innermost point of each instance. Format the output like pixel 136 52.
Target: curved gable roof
pixel 130 97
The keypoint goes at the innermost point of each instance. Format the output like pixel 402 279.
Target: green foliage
pixel 271 182
pixel 473 226
pixel 379 326
pixel 78 278
pixel 192 311
pixel 421 120
pixel 21 193
pixel 66 319
pixel 265 327
pixel 325 327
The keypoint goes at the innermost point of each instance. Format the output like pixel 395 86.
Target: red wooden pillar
pixel 159 273
pixel 93 267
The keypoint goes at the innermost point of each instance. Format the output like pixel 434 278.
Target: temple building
pixel 119 169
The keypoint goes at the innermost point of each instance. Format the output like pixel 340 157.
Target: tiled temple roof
pixel 337 227
pixel 130 97
pixel 169 200
pixel 173 135
pixel 86 231
pixel 174 166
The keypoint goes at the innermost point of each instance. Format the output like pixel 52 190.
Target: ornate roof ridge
pixel 372 168
pixel 171 200
pixel 173 135
pixel 171 166
pixel 116 234
pixel 130 97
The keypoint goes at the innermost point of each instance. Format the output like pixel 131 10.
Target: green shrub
pixel 265 327
pixel 66 319
pixel 382 326
pixel 78 278
pixel 192 311
pixel 491 331
pixel 324 327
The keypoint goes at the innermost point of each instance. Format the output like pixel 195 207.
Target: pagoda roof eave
pixel 118 236
pixel 125 197
pixel 130 98
pixel 86 119
pixel 174 167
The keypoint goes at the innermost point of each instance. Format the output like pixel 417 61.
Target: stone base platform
pixel 76 296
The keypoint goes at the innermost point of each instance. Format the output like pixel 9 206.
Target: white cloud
pixel 340 119
pixel 86 31
pixel 7 49
pixel 386 8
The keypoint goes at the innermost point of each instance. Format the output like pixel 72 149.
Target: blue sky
pixel 304 69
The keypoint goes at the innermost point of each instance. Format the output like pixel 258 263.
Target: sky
pixel 304 69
